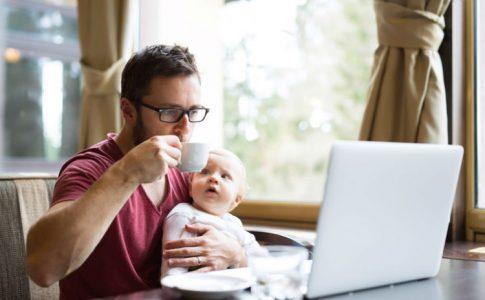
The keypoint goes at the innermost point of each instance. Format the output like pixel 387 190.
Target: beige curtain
pixel 406 98
pixel 105 33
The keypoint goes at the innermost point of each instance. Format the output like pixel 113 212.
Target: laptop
pixel 384 215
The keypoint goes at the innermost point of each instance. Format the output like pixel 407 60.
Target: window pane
pixel 41 110
pixel 46 24
pixel 40 102
pixel 294 82
pixel 480 97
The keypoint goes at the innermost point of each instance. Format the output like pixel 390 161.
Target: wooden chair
pixel 266 238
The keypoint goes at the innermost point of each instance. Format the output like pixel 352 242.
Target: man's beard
pixel 138 131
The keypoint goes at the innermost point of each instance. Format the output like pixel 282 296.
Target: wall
pixel 191 23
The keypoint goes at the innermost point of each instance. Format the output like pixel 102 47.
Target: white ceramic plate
pixel 209 285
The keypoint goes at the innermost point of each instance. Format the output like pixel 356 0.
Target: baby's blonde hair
pixel 228 154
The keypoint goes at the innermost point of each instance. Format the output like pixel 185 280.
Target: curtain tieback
pixel 101 83
pixel 401 27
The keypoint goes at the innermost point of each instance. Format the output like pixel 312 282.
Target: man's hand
pixel 151 159
pixel 211 250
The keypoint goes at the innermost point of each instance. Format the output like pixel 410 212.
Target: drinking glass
pixel 279 272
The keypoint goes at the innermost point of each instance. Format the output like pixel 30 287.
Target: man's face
pixel 167 92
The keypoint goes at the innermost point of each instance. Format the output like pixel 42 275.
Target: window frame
pixel 291 214
pixel 475 218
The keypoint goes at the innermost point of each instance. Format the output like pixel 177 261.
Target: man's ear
pixel 129 111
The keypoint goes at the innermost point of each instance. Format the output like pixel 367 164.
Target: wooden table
pixel 457 279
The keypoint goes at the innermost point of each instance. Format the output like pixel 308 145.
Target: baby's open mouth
pixel 211 190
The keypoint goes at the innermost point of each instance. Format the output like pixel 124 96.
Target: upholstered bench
pixel 23 199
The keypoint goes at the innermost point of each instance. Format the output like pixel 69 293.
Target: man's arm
pixel 64 238
pixel 213 250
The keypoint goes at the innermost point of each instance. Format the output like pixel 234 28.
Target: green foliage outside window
pixel 282 113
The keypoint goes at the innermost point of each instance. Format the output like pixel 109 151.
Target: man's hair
pixel 153 61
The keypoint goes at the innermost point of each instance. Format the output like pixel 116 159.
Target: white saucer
pixel 212 285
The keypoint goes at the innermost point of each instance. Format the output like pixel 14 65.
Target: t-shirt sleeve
pixel 75 179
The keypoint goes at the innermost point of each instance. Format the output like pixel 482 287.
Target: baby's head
pixel 221 185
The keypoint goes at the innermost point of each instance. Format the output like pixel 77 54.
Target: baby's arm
pixel 251 246
pixel 174 229
pixel 247 240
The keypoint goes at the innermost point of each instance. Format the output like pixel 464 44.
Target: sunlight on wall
pixel 196 26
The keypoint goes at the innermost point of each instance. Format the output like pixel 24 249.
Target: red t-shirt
pixel 128 257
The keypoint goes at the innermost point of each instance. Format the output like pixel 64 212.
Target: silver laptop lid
pixel 384 215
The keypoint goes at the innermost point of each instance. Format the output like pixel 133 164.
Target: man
pixel 102 233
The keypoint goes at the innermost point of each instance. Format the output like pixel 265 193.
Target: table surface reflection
pixel 457 279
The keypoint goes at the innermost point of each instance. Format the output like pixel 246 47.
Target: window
pixel 293 84
pixel 480 100
pixel 475 14
pixel 293 81
pixel 40 103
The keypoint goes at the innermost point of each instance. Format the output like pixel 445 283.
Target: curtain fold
pixel 106 39
pixel 406 98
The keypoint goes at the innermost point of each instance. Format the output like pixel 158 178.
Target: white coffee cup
pixel 194 157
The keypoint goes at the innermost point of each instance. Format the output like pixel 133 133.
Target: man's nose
pixel 182 127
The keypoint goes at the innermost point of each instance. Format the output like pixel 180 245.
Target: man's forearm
pixel 63 239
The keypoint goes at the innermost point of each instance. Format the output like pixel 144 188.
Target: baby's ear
pixel 236 202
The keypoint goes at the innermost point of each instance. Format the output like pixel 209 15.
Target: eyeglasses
pixel 173 115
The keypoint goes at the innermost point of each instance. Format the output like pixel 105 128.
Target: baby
pixel 215 191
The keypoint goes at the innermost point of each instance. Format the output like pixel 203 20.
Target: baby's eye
pixel 204 171
pixel 226 176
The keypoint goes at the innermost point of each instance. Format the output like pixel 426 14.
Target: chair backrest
pixel 23 199
pixel 270 238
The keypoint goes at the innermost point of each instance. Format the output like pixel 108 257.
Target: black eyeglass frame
pixel 185 112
